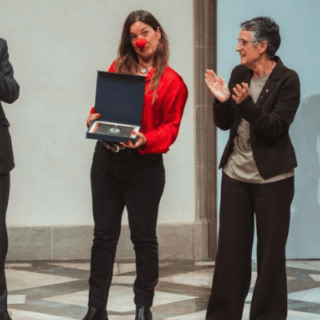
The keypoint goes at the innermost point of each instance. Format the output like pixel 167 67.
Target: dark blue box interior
pixel 119 99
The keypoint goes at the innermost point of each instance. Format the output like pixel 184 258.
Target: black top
pixel 270 119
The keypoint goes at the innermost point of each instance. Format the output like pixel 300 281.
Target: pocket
pixel 135 155
pixel 96 153
pixel 97 146
pixel 101 156
pixel 148 159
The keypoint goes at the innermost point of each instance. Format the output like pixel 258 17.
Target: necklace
pixel 144 69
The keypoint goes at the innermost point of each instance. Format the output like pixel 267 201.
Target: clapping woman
pixel 258 164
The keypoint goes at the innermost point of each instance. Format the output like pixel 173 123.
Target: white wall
pixel 56 47
pixel 299 50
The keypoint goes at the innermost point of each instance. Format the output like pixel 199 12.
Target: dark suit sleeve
pixel 225 112
pixel 9 88
pixel 273 124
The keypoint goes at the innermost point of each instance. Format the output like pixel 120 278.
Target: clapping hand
pixel 241 92
pixel 217 86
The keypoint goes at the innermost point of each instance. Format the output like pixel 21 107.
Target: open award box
pixel 119 100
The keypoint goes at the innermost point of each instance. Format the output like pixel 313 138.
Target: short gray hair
pixel 264 29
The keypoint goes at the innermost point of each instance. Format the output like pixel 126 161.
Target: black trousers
pixel 137 182
pixel 231 282
pixel 4 197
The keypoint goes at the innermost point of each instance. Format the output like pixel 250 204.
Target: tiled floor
pixel 59 290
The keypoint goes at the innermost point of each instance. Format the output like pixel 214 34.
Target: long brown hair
pixel 127 61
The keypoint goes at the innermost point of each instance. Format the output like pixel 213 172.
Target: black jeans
pixel 137 182
pixel 4 197
pixel 239 201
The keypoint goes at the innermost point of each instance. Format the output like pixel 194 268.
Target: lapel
pixel 245 77
pixel 271 82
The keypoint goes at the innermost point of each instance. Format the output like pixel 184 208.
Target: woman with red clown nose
pixel 133 175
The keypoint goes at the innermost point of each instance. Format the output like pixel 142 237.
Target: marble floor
pixel 50 290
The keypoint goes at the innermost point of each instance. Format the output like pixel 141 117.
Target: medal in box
pixel 119 100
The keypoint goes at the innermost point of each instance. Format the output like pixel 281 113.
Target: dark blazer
pixel 270 119
pixel 9 92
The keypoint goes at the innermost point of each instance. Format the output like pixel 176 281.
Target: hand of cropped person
pixel 241 92
pixel 217 86
pixel 141 140
pixel 92 116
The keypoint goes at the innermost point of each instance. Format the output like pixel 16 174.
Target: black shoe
pixel 5 316
pixel 95 314
pixel 143 313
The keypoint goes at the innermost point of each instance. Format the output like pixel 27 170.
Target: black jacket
pixel 270 119
pixel 9 92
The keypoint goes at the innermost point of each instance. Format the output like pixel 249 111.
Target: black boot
pixel 96 314
pixel 143 313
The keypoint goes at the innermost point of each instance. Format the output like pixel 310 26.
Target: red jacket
pixel 161 121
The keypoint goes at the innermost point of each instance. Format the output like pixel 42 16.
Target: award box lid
pixel 119 97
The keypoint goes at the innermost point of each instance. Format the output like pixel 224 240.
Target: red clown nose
pixel 140 43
